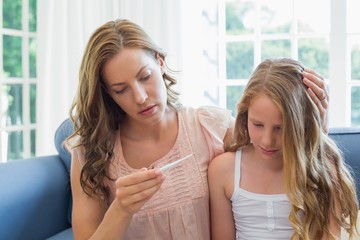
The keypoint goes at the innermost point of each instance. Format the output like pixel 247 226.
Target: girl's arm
pixel 222 222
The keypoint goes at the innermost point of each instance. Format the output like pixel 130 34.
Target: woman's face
pixel 134 80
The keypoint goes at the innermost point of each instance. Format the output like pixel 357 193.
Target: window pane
pixel 314 19
pixel 240 17
pixel 12 56
pixel 5 99
pixel 355 106
pixel 275 49
pixel 14 108
pixel 314 54
pixel 276 16
pixel 352 14
pixel 232 97
pixel 15 145
pixel 355 59
pixel 239 60
pixel 32 103
pixel 32 15
pixel 32 57
pixel 12 14
pixel 33 143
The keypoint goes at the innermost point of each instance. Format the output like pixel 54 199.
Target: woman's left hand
pixel 318 93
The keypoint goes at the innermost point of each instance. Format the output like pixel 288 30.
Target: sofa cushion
pixel 63 235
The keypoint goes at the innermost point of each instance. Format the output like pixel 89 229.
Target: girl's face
pixel 134 80
pixel 265 127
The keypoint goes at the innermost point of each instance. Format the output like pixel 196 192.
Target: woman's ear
pixel 161 62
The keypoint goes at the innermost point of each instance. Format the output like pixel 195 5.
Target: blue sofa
pixel 35 194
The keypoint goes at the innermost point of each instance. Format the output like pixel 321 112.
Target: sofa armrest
pixel 34 198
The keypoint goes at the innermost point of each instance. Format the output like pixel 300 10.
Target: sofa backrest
pixel 348 140
pixel 65 129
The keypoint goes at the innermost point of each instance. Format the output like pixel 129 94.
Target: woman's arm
pixel 91 219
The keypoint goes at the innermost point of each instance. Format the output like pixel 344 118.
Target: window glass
pixel 352 14
pixel 232 98
pixel 32 143
pixel 5 100
pixel 15 104
pixel 32 103
pixel 273 17
pixel 32 57
pixel 240 17
pixel 15 145
pixel 355 58
pixel 12 16
pixel 32 15
pixel 12 56
pixel 239 60
pixel 355 106
pixel 314 54
pixel 313 16
pixel 275 49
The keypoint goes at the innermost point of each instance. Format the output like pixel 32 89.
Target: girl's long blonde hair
pixel 315 174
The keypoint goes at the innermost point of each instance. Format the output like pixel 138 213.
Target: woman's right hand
pixel 134 190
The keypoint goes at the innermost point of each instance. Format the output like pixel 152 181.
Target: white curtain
pixel 64 28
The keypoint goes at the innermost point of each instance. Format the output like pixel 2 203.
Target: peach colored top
pixel 180 209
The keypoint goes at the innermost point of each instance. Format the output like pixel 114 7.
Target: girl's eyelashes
pixel 257 124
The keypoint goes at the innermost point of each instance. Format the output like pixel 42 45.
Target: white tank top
pixel 259 216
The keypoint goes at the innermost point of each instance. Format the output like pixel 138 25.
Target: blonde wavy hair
pixel 95 115
pixel 315 174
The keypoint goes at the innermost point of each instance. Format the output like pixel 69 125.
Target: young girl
pixel 283 177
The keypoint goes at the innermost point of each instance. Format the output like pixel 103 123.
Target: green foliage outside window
pixel 355 93
pixel 12 17
pixel 12 56
pixel 239 60
pixel 355 63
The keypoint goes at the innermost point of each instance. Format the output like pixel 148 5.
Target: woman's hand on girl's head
pixel 318 93
pixel 134 190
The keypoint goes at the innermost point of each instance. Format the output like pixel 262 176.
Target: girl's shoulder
pixel 223 163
